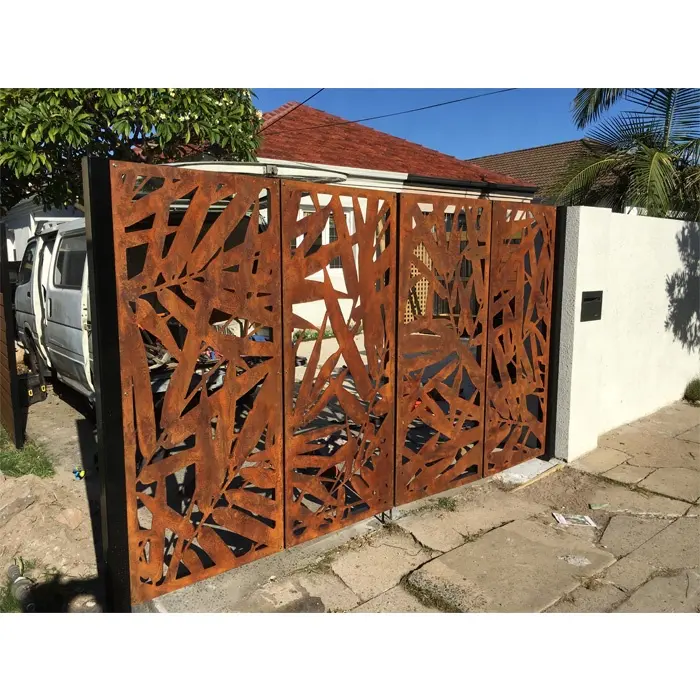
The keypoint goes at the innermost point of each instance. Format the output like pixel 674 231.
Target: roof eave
pixel 412 179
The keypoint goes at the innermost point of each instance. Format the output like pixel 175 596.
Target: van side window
pixel 25 270
pixel 70 262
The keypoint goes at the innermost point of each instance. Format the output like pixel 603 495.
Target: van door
pixel 24 294
pixel 64 310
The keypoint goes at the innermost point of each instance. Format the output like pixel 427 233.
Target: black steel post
pixel 555 331
pixel 18 419
pixel 107 382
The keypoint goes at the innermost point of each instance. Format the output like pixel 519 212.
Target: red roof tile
pixel 541 165
pixel 303 134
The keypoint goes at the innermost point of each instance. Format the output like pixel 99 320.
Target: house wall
pixel 645 348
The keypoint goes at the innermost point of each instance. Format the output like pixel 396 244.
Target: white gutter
pixel 353 177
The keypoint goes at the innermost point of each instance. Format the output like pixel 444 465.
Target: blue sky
pixel 518 119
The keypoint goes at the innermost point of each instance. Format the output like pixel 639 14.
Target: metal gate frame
pixel 114 223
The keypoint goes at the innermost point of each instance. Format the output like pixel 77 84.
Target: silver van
pixel 52 309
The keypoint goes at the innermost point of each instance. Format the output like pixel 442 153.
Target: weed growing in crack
pixel 428 598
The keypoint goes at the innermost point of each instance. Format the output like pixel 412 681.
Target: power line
pixel 276 121
pixel 393 114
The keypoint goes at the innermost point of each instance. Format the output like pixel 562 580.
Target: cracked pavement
pixel 482 548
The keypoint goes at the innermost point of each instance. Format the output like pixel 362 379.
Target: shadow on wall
pixel 683 290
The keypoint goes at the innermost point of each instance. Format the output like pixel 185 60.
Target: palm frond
pixel 687 152
pixel 675 110
pixel 590 103
pixel 583 178
pixel 687 196
pixel 649 155
pixel 626 131
pixel 653 181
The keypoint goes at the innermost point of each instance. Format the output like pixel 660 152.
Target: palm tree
pixel 647 157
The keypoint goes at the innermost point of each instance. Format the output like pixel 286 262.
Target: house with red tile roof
pixel 296 134
pixel 298 141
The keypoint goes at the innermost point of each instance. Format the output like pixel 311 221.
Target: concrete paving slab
pixel 625 533
pixel 692 435
pixel 227 591
pixel 620 499
pixel 629 573
pixel 395 600
pixel 673 459
pixel 526 471
pixel 683 484
pixel 600 460
pixel 449 589
pixel 693 512
pixel 433 529
pixel 379 562
pixel 666 594
pixel 583 532
pixel 659 452
pixel 305 591
pixel 572 491
pixel 670 420
pixel 627 474
pixel 334 594
pixel 444 530
pixel 675 547
pixel 286 595
pixel 521 567
pixel 599 599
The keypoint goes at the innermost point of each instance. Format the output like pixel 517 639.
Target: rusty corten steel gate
pixel 443 294
pixel 520 311
pixel 295 357
pixel 339 408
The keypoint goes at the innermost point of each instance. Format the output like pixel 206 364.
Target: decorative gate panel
pixel 522 255
pixel 197 258
pixel 443 295
pixel 339 289
pixel 223 281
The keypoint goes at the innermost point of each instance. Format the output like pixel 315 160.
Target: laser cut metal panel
pixel 522 255
pixel 338 251
pixel 443 298
pixel 197 259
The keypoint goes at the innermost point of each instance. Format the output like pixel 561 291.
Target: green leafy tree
pixel 648 156
pixel 44 133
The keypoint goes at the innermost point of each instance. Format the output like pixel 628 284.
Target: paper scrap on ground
pixel 567 520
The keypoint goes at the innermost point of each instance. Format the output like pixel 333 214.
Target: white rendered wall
pixel 632 361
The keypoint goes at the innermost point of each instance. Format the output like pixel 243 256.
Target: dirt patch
pixel 571 491
pixel 51 521
pixel 568 490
